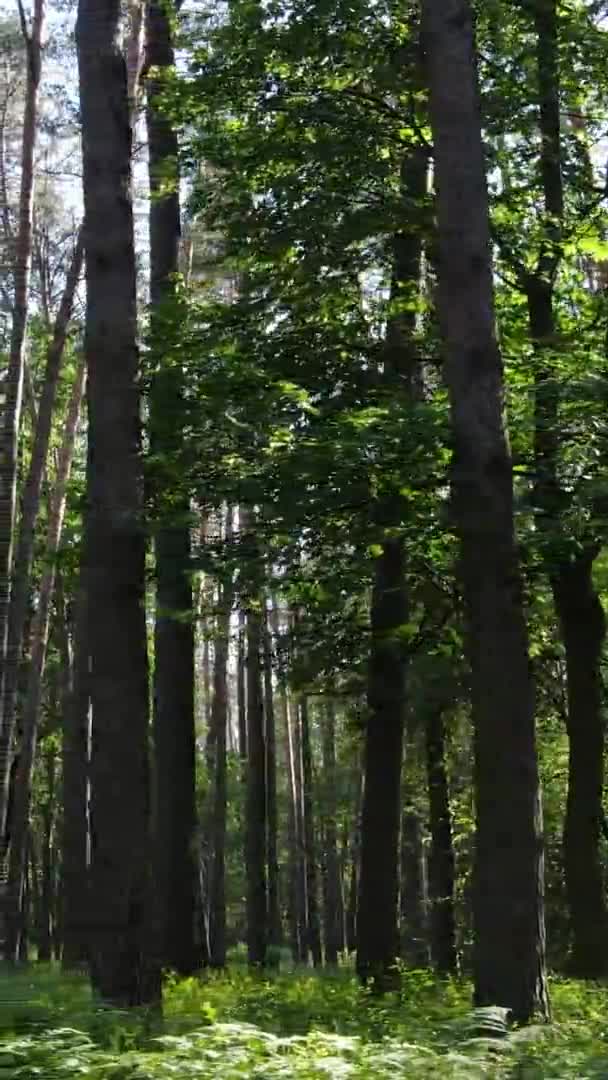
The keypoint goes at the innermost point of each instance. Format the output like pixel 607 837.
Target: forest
pixel 303 539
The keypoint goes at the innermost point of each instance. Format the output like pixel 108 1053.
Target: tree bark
pixel 378 936
pixel 578 606
pixel 30 505
pixel 11 410
pixel 40 631
pixel 274 907
pixel 441 860
pixel 333 901
pixel 509 955
pixel 122 970
pixel 174 738
pixel 241 687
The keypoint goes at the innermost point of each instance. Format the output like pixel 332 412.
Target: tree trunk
pixel 301 877
pixel 333 906
pixel 441 860
pixel 255 839
pixel 11 409
pixel 241 687
pixel 75 765
pixel 30 505
pixel 310 852
pixel 377 927
pixel 122 970
pixel 40 631
pixel 577 603
pixel 509 956
pixel 274 907
pixel 354 851
pixel 219 722
pixel 583 628
pixel 174 737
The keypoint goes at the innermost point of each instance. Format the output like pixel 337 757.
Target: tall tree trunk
pixel 353 852
pixel 377 934
pixel 509 957
pixel 31 711
pixel 301 877
pixel 74 774
pixel 11 411
pixel 310 850
pixel 274 908
pixel 255 841
pixel 578 606
pixel 121 967
pixel 333 901
pixel 583 627
pixel 292 819
pixel 174 737
pixel 30 504
pixel 441 860
pixel 219 722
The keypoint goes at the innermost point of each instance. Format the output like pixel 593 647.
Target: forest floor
pixel 299 1025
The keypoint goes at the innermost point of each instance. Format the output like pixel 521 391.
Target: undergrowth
pixel 299 1025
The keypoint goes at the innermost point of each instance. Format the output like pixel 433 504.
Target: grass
pixel 299 1025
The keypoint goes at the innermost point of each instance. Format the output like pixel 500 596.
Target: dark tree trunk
pixel 509 957
pixel 75 763
pixel 583 628
pixel 441 859
pixel 414 935
pixel 377 917
pixel 577 603
pixel 274 908
pixel 333 900
pixel 122 970
pixel 175 808
pixel 292 832
pixel 310 847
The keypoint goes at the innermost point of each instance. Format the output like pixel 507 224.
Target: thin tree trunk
pixel 333 917
pixel 255 853
pixel 310 851
pixel 441 860
pixel 509 957
pixel 219 722
pixel 122 969
pixel 74 773
pixel 274 907
pixel 40 631
pixel 30 505
pixel 302 879
pixel 174 735
pixel 11 410
pixel 241 687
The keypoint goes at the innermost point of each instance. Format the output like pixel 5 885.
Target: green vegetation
pixel 292 1025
